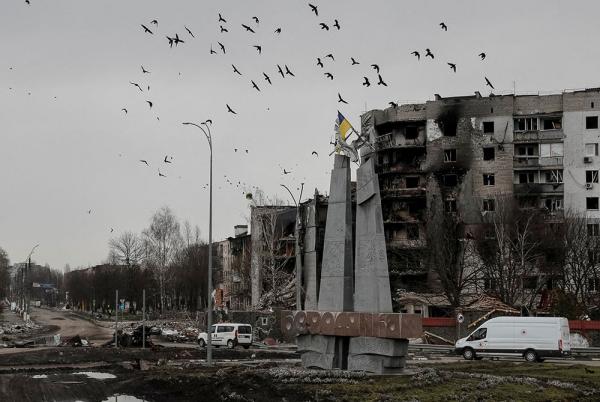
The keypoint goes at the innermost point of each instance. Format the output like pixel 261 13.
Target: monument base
pixel 377 355
pixel 326 352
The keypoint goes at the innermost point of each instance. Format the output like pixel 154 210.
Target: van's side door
pixel 501 338
pixel 220 335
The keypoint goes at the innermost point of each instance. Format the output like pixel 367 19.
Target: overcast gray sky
pixel 66 147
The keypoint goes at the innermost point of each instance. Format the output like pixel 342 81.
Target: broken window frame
pixel 488 205
pixel 412 231
pixel 525 124
pixel 593 229
pixel 592 203
pixel 529 177
pixel 406 182
pixel 591 176
pixel 450 206
pixel 554 176
pixel 553 204
pixel 488 127
pixel 450 155
pixel 591 122
pixel 551 123
pixel 526 150
pixel 491 153
pixel 450 183
pixel 489 179
pixel 412 136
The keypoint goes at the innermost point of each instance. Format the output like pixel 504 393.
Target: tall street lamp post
pixel 210 286
pixel 297 248
pixel 28 270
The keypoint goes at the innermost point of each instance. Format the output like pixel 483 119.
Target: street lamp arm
pixel 292 195
pixel 206 134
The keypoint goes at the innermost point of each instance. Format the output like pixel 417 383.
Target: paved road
pixel 70 325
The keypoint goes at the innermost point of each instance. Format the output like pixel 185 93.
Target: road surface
pixel 70 325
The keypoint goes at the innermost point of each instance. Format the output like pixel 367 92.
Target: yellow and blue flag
pixel 343 125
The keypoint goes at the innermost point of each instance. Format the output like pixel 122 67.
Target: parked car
pixel 533 338
pixel 228 334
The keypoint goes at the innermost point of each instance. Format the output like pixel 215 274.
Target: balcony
pixel 400 167
pixel 387 141
pixel 538 136
pixel 536 161
pixel 538 188
pixel 402 192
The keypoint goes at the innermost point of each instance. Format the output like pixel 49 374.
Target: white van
pixel 228 334
pixel 534 338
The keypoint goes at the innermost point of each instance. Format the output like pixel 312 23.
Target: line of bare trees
pixel 167 259
pixel 527 258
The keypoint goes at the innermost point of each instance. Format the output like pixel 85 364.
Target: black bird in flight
pixel 136 85
pixel 235 70
pixel 255 19
pixel 27 2
pixel 267 78
pixel 314 9
pixel 230 110
pixel 221 19
pixel 429 54
pixel 354 62
pixel 149 103
pixel 190 32
pixel 144 70
pixel 340 100
pixel 319 62
pixel 223 29
pixel 315 153
pixel 444 26
pixel 167 159
pixel 155 22
pixel 177 40
pixel 287 71
pixel 330 55
pixel 89 211
pixel 255 86
pixel 280 71
pixel 144 161
pixel 329 75
pixel 482 55
pixel 366 83
pixel 336 24
pixel 171 40
pixel 278 31
pixel 212 51
pixel 375 67
pixel 258 47
pixel 125 110
pixel 209 121
pixel 488 83
pixel 222 47
pixel 393 104
pixel 147 30
pixel 417 54
pixel 324 26
pixel 111 230
pixel 381 81
pixel 286 172
pixel 247 28
pixel 234 150
pixel 160 174
pixel 452 66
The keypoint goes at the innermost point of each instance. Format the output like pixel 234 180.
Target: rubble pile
pixel 20 328
pixel 171 331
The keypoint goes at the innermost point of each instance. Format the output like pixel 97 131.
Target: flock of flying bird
pixel 323 62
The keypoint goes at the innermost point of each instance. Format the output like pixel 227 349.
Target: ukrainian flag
pixel 343 124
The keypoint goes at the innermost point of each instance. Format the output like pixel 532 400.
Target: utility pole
pixel 116 317
pixel 143 318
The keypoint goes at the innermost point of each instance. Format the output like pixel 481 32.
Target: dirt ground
pixel 179 374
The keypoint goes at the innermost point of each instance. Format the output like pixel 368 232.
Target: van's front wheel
pixel 531 356
pixel 468 354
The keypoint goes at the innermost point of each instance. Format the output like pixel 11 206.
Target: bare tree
pixel 127 249
pixel 272 252
pixel 163 240
pixel 580 271
pixel 509 245
pixel 452 255
pixel 4 273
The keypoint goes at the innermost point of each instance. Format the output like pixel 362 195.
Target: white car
pixel 533 338
pixel 228 334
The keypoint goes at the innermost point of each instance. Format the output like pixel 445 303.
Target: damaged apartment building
pixel 461 155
